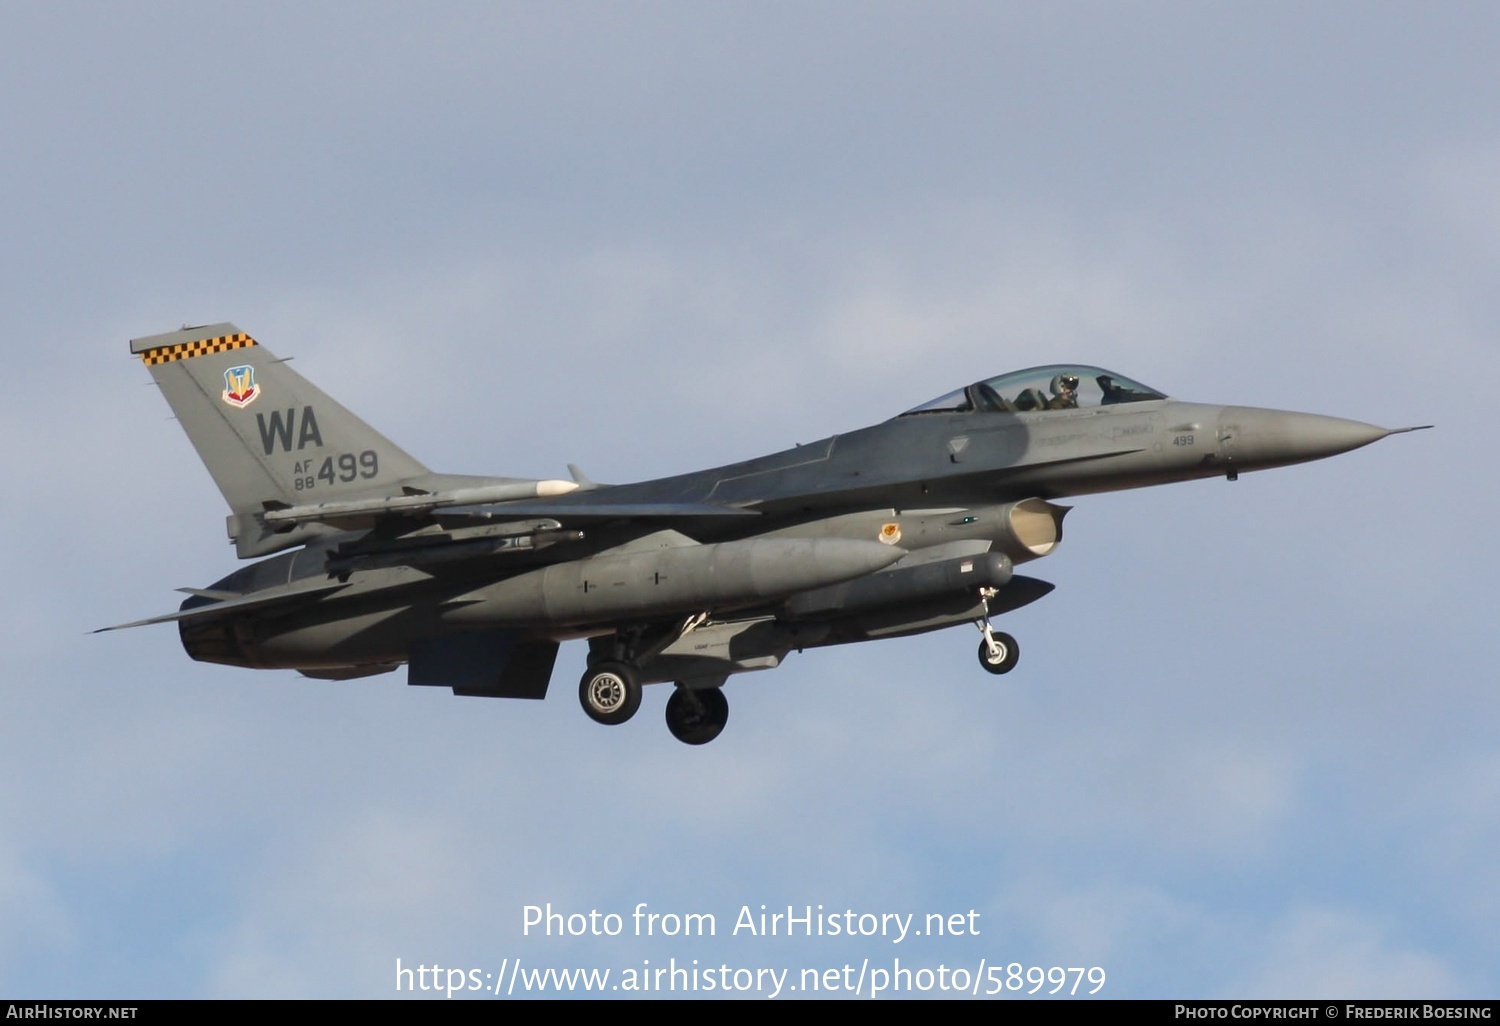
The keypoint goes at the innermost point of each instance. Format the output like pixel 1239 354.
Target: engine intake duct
pixel 1029 529
pixel 893 588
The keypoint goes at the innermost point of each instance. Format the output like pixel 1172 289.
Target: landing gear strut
pixel 696 717
pixel 998 652
pixel 609 692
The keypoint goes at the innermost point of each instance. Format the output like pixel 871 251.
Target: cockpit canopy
pixel 1060 386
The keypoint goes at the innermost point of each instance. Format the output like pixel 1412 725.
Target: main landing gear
pixel 696 716
pixel 610 693
pixel 998 652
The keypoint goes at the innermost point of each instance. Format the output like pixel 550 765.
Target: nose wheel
pixel 999 652
pixel 696 717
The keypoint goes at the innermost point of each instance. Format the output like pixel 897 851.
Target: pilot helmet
pixel 1064 383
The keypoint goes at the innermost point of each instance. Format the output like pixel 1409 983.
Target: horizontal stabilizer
pixel 255 600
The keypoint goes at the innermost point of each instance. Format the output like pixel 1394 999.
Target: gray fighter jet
pixel 912 525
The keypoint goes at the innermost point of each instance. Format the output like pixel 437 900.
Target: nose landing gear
pixel 998 652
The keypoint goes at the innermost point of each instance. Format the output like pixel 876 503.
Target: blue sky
pixel 1251 747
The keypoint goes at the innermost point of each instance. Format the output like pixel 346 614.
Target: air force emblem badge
pixel 240 389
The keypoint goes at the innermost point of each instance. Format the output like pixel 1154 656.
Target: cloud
pixel 1330 953
pixel 33 917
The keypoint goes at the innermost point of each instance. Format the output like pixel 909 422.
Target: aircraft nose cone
pixel 1254 438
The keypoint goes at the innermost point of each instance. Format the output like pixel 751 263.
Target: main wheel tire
pixel 1005 660
pixel 609 693
pixel 697 717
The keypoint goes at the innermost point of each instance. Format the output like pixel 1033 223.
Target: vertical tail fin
pixel 268 436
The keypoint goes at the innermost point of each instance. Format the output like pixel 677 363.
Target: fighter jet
pixel 372 561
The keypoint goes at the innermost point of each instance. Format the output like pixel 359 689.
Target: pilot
pixel 1064 392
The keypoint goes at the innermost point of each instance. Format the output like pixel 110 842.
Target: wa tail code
pixel 275 431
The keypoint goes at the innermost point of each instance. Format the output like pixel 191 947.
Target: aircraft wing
pixel 257 600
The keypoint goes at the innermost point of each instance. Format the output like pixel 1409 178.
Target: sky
pixel 1250 749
